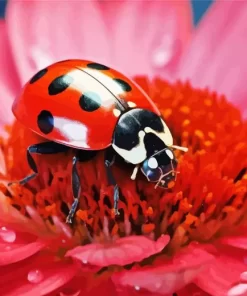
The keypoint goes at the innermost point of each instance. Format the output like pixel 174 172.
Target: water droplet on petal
pixel 6 235
pixel 137 288
pixel 161 57
pixel 35 276
pixel 237 290
pixel 243 276
pixel 84 261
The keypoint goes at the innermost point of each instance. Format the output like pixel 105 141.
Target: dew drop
pixel 137 288
pixel 84 261
pixel 6 235
pixel 243 276
pixel 35 276
pixel 237 290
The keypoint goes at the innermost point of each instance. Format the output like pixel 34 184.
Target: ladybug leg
pixel 41 148
pixel 76 189
pixel 109 161
pixel 81 156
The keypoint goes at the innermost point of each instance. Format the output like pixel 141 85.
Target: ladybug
pixel 90 107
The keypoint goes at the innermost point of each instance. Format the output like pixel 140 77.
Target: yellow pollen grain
pixel 167 113
pixel 185 109
pixel 171 184
pixel 199 134
pixel 229 209
pixel 190 219
pixel 186 122
pixel 209 197
pixel 185 134
pixel 178 196
pixel 82 215
pixel 208 143
pixel 149 211
pixel 147 228
pixel 235 123
pixel 211 135
pixel 245 177
pixel 51 208
pixel 184 205
pixel 208 102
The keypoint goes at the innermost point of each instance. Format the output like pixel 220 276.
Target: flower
pixel 189 240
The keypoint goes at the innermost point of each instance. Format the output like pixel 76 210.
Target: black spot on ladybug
pixel 124 85
pixel 59 84
pixel 45 122
pixel 129 125
pixel 90 101
pixel 97 66
pixel 38 75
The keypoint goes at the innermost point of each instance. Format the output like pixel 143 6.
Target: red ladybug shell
pixel 74 102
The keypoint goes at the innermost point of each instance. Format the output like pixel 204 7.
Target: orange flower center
pixel 208 199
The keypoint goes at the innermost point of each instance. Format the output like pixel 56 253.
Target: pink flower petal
pixel 9 82
pixel 168 275
pixel 120 252
pixel 153 33
pixel 39 275
pixel 11 253
pixel 216 57
pixel 191 290
pixel 225 272
pixel 11 217
pixel 42 32
pixel 235 241
pixel 87 284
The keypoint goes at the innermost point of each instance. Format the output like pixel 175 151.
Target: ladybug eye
pixel 152 163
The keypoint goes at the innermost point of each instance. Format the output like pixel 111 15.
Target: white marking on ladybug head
pixel 116 112
pixel 165 136
pixel 152 163
pixel 169 153
pixel 131 104
pixel 137 154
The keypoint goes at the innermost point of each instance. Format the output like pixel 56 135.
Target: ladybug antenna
pixel 184 149
pixel 135 171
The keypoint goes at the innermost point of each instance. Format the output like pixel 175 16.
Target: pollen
pixel 185 109
pixel 210 189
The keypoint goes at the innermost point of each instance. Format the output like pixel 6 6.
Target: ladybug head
pixel 160 168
